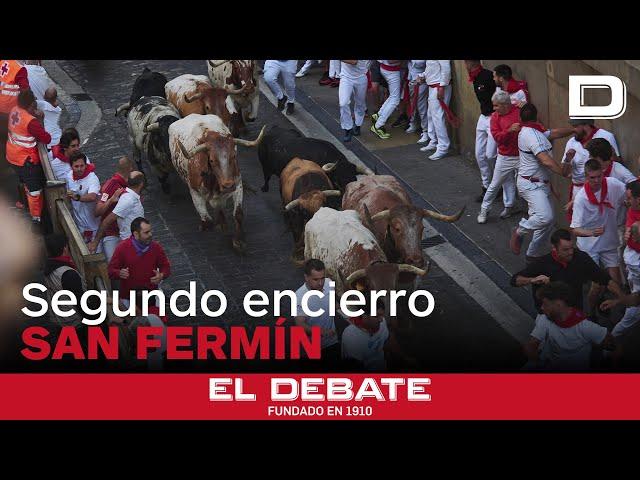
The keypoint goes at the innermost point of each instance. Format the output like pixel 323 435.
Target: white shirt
pixel 622 173
pixel 366 348
pixel 567 348
pixel 51 121
pixel 354 72
pixel 517 97
pixel 127 210
pixel 84 212
pixel 314 304
pixel 437 72
pixel 39 81
pixel 582 155
pixel 532 142
pixel 587 215
pixel 61 170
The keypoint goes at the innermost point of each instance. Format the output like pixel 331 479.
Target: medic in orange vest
pixel 25 130
pixel 13 80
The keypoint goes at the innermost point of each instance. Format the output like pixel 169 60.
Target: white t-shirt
pixel 437 72
pixel 51 121
pixel 61 170
pixel 364 347
pixel 314 304
pixel 567 348
pixel 354 72
pixel 516 97
pixel 622 173
pixel 84 212
pixel 39 81
pixel 128 208
pixel 582 155
pixel 587 215
pixel 531 142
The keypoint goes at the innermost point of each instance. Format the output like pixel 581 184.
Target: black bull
pixel 280 145
pixel 148 84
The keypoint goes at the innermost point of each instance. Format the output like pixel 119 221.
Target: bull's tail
pixel 443 218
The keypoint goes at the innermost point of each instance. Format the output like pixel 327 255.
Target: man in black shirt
pixel 484 86
pixel 566 264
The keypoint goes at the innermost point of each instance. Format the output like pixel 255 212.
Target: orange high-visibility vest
pixel 20 143
pixel 9 90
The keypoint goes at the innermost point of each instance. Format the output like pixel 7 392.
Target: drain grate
pixel 81 97
pixel 432 241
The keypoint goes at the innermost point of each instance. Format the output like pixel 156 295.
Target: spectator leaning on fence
pixel 83 189
pixel 60 153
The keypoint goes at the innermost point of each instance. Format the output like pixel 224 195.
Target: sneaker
pixel 480 197
pixel 289 108
pixel 301 73
pixel 401 121
pixel 424 138
pixel 515 243
pixel 282 102
pixel 438 155
pixel 429 148
pixel 482 216
pixel 325 80
pixel 374 117
pixel 347 135
pixel 412 128
pixel 508 212
pixel 356 130
pixel 380 132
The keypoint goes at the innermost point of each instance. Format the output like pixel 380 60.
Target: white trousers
pixel 541 218
pixel 421 111
pixel 631 314
pixel 486 149
pixel 357 88
pixel 503 176
pixel 109 245
pixel 274 68
pixel 394 80
pixel 334 68
pixel 438 135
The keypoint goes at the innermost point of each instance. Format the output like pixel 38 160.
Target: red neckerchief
pixel 473 74
pixel 514 85
pixel 555 257
pixel 66 259
pixel 90 168
pixel 632 217
pixel 575 317
pixel 535 125
pixel 607 172
pixel 359 322
pixel 603 195
pixel 56 150
pixel 584 141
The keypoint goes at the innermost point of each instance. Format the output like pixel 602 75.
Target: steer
pixel 148 84
pixel 385 208
pixel 304 188
pixel 350 252
pixel 204 155
pixel 194 94
pixel 238 74
pixel 280 145
pixel 148 123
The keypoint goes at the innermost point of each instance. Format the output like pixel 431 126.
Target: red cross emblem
pixel 15 118
pixel 4 69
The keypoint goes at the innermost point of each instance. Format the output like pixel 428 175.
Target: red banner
pixel 320 396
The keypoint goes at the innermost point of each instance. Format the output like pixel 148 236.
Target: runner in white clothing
pixel 287 70
pixel 517 89
pixel 83 189
pixel 391 72
pixel 353 81
pixel 418 93
pixel 437 76
pixel 536 159
pixel 363 342
pixel 595 218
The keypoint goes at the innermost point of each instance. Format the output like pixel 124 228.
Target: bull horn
pixel 234 91
pixel 254 143
pixel 444 218
pixel 357 275
pixel 217 63
pixel 182 149
pixel 363 170
pixel 192 98
pixel 292 204
pixel 122 108
pixel 406 268
pixel 367 216
pixel 383 215
pixel 331 193
pixel 329 167
pixel 152 127
pixel 200 148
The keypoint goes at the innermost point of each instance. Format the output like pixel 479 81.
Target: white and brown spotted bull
pixel 351 253
pixel 194 94
pixel 386 209
pixel 204 156
pixel 304 188
pixel 238 74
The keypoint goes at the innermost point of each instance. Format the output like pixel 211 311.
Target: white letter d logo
pixel 579 83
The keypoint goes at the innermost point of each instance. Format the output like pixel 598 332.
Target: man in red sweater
pixel 139 262
pixel 505 126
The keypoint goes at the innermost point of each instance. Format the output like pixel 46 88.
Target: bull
pixel 386 209
pixel 304 188
pixel 280 145
pixel 204 155
pixel 148 84
pixel 148 124
pixel 194 94
pixel 238 74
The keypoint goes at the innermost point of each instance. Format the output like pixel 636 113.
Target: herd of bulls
pixel 363 226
